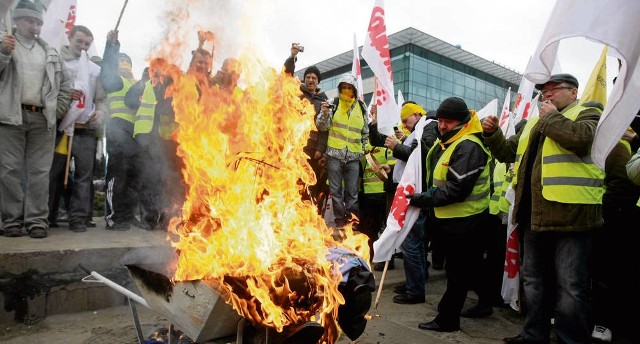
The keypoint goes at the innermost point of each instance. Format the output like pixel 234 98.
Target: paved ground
pixel 390 322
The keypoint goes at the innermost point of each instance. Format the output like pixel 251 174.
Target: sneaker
pixel 78 227
pixel 37 232
pixel 601 333
pixel 12 232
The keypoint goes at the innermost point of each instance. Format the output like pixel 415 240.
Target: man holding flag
pixel 457 202
pixel 34 91
pixel 558 195
pixel 81 122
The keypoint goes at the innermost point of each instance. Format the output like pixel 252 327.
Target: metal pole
pixel 136 321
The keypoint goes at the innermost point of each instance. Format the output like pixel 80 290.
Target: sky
pixel 505 32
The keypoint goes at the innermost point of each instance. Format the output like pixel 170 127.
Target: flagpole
pixel 7 21
pixel 384 274
pixel 121 12
pixel 66 170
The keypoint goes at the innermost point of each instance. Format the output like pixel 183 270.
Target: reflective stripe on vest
pixel 566 177
pixel 117 108
pixel 503 203
pixel 346 129
pixel 499 172
pixel 144 116
pixel 478 200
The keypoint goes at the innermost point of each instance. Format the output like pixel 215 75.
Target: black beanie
pixel 314 70
pixel 453 108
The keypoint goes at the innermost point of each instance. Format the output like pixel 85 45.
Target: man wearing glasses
pixel 558 195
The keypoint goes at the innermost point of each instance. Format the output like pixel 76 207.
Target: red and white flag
pixel 59 19
pixel 511 278
pixel 610 23
pixel 376 52
pixel 355 68
pixel 522 105
pixel 505 114
pixel 402 216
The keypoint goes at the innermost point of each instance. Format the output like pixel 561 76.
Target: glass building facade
pixel 428 77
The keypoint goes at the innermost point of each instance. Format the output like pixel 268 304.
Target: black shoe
pixel 12 232
pixel 54 225
pixel 433 326
pixel 477 311
pixel 408 299
pixel 400 289
pixel 380 266
pixel 522 340
pixel 90 224
pixel 118 227
pixel 78 227
pixel 38 232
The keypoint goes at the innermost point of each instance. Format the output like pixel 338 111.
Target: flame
pixel 244 224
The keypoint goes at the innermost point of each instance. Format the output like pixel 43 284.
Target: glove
pixel 423 199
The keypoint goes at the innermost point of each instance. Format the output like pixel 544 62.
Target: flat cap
pixel 558 78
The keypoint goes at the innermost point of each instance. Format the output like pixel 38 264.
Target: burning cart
pixel 200 310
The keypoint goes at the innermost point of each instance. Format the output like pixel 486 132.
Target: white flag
pixel 59 19
pixel 505 114
pixel 355 68
pixel 490 109
pixel 611 23
pixel 400 100
pixel 402 216
pixel 522 105
pixel 83 109
pixel 511 277
pixel 376 52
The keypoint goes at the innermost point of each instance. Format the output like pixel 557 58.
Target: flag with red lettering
pixel 505 114
pixel 402 216
pixel 355 68
pixel 376 52
pixel 522 104
pixel 610 23
pixel 59 19
pixel 511 277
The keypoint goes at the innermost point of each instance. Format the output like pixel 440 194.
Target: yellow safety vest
pixel 371 182
pixel 499 172
pixel 566 177
pixel 117 108
pixel 345 129
pixel 478 200
pixel 146 113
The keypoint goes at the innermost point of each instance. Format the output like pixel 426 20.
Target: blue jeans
pixel 344 201
pixel 555 274
pixel 413 257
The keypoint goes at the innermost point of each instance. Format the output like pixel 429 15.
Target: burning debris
pixel 243 226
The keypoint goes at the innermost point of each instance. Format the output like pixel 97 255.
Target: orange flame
pixel 244 224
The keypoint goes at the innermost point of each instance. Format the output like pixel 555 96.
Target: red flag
pixel 355 68
pixel 376 52
pixel 59 19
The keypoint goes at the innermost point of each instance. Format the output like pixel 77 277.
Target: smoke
pixel 236 26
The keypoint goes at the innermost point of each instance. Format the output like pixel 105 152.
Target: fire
pixel 244 225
